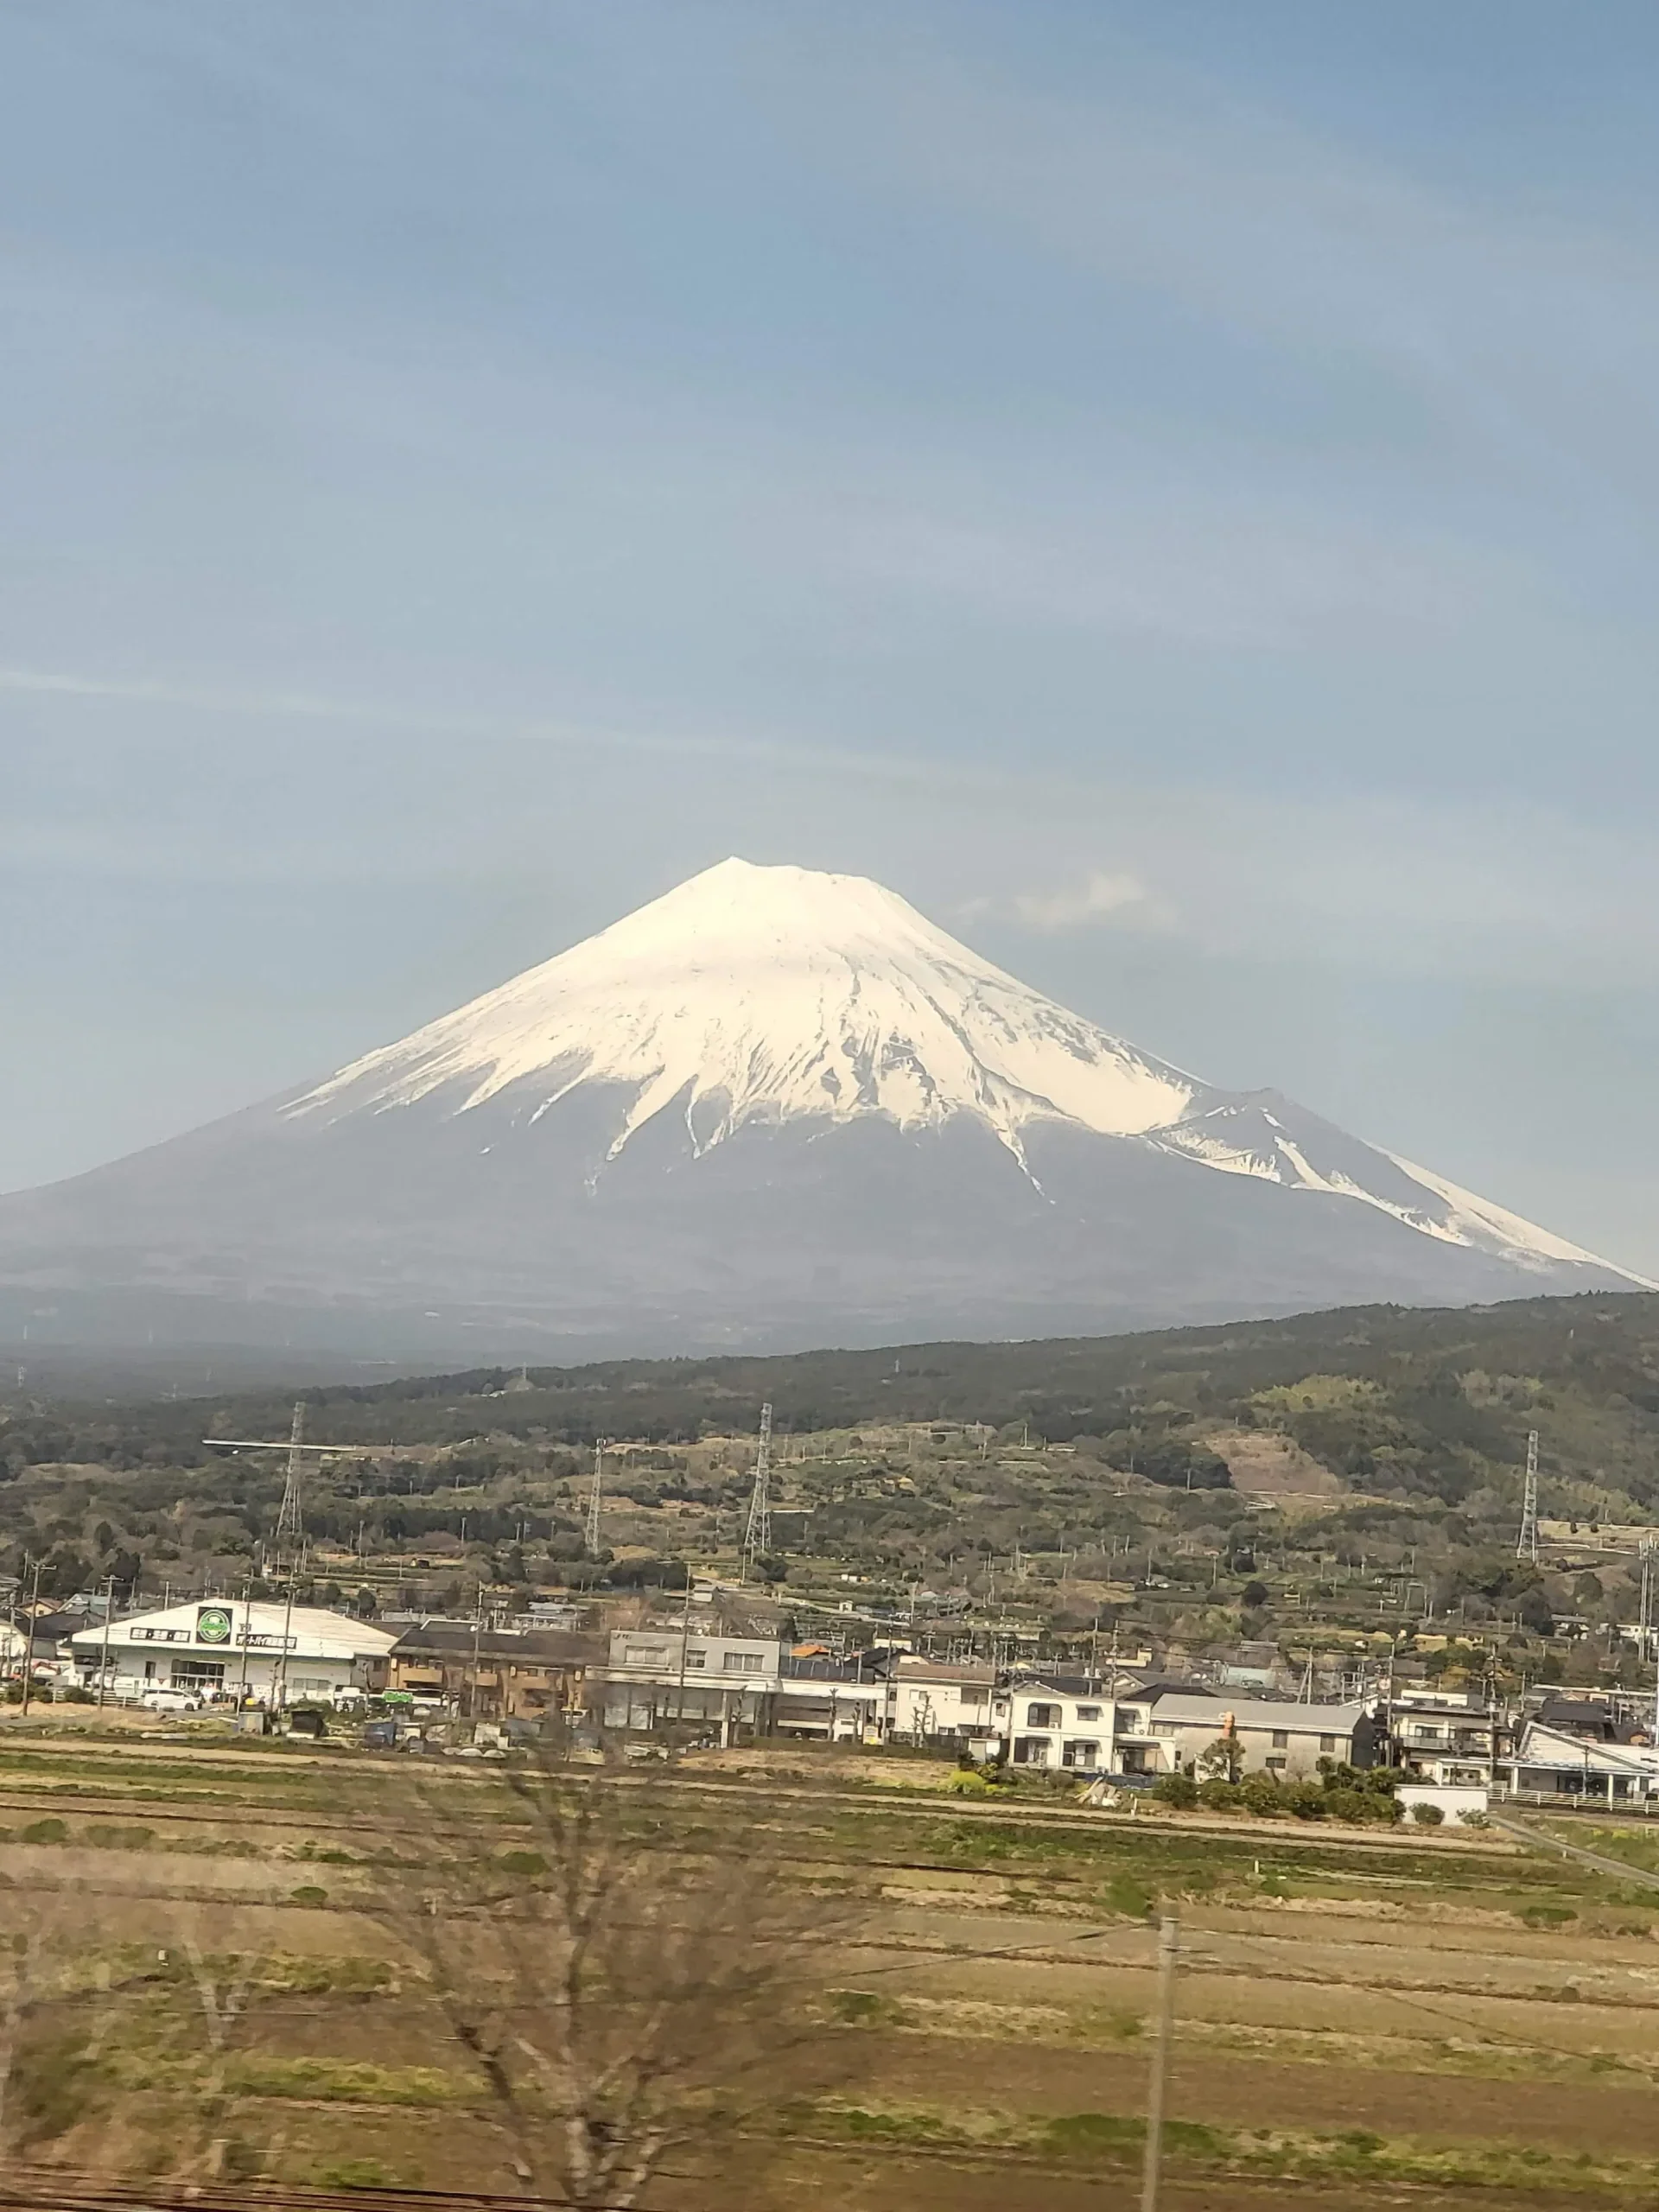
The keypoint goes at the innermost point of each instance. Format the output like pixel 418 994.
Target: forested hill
pixel 1395 1400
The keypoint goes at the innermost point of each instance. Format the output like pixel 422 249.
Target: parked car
pixel 164 1698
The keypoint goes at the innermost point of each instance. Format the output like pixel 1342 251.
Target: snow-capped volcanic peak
pixel 778 994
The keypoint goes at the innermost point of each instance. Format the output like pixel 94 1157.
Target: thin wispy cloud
pixel 1098 898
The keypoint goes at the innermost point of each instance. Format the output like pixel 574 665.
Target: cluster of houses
pixel 1129 1723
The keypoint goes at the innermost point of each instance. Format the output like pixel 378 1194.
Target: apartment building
pixel 1439 1736
pixel 667 1677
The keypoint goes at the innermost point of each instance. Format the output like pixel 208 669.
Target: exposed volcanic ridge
pixel 774 1107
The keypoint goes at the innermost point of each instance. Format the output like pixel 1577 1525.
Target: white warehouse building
pixel 217 1647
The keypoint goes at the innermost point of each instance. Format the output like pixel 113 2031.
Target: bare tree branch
pixel 620 1988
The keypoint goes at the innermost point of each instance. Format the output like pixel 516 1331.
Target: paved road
pixel 1521 1834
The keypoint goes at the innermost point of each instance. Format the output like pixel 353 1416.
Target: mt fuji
pixel 772 1108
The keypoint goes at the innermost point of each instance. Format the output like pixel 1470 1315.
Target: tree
pixel 1253 1596
pixel 606 1980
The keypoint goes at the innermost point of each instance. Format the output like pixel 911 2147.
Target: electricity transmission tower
pixel 290 1520
pixel 757 1537
pixel 1526 1543
pixel 596 1499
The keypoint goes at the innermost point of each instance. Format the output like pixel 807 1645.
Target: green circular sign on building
pixel 213 1624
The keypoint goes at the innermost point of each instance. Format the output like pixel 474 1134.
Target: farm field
pixel 1355 2019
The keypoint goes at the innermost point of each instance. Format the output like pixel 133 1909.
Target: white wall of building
pixel 214 1647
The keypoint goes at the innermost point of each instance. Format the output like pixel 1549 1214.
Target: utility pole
pixel 29 1649
pixel 757 1537
pixel 595 1500
pixel 104 1662
pixel 1526 1543
pixel 1169 1947
pixel 685 1639
pixel 282 1661
pixel 247 1639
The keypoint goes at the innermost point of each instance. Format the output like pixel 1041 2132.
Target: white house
pixel 927 1700
pixel 1055 1721
pixel 276 1653
pixel 1058 1721
pixel 1567 1762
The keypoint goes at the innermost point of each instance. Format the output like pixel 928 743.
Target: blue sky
pixel 1170 490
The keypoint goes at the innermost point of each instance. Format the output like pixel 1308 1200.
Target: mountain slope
pixel 774 1107
pixel 756 993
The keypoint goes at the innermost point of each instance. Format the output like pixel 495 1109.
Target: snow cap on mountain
pixel 776 995
pixel 779 994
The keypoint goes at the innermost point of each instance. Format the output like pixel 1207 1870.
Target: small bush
pixel 1217 1794
pixel 1353 1805
pixel 1260 1793
pixel 1428 1816
pixel 1178 1790
pixel 44 1832
pixel 1125 1895
pixel 1307 1801
pixel 969 1782
pixel 353 2173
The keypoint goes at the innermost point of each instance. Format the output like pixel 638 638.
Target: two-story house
pixel 1055 1720
pixel 938 1701
pixel 666 1677
pixel 494 1674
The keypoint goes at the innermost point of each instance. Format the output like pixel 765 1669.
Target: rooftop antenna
pixel 596 1499
pixel 290 1525
pixel 1526 1543
pixel 757 1537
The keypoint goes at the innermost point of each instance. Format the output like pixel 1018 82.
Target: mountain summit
pixel 776 995
pixel 773 1106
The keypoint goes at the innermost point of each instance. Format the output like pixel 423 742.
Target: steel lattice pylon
pixel 1527 1543
pixel 290 1519
pixel 595 1500
pixel 757 1537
